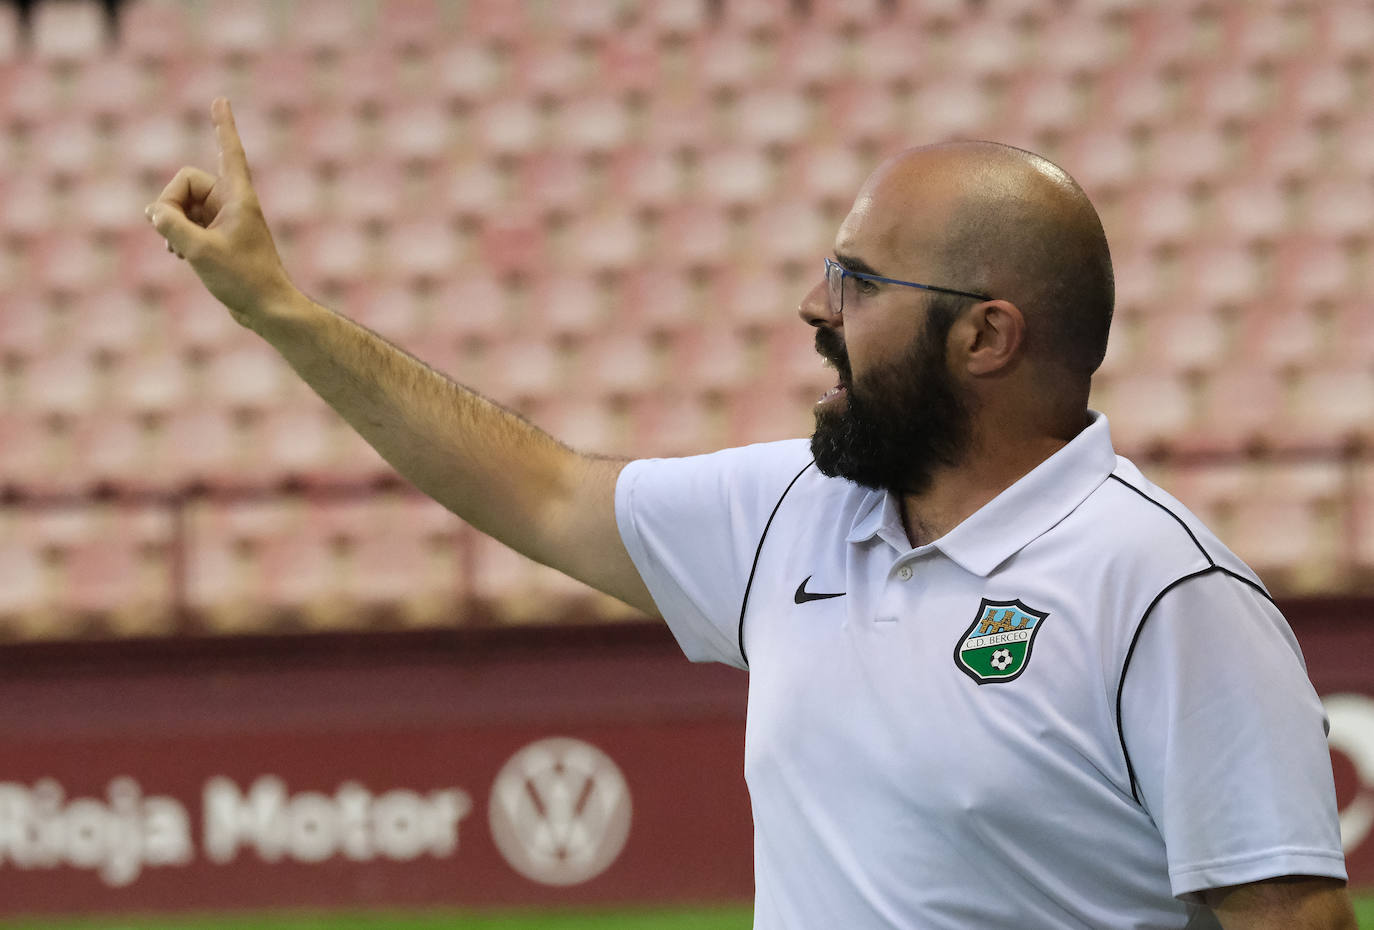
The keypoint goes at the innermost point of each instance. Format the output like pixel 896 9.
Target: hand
pixel 216 224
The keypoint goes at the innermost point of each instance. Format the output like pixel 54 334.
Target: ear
pixel 991 334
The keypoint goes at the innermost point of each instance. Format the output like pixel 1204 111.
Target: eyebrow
pixel 851 263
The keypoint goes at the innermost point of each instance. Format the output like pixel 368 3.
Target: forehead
pixel 898 217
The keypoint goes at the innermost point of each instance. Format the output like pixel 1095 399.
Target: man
pixel 998 679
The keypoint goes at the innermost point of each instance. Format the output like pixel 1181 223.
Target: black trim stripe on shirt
pixel 1135 638
pixel 1212 568
pixel 744 604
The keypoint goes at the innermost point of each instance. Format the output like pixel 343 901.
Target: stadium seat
pixel 1283 334
pixel 736 177
pixel 1147 410
pixel 1291 531
pixel 1241 408
pixel 1188 337
pixel 237 28
pixel 65 383
pixel 155 30
pixel 696 236
pixel 1310 269
pixel 23 584
pixel 789 230
pixel 407 24
pixel 1250 211
pixel 592 125
pixel 605 242
pixel 397 570
pixel 1333 408
pixel 1345 32
pixel 68 30
pixel 121 573
pixel 1362 554
pixel 26 325
pixel 1338 207
pixel 10 36
pixel 659 300
pixel 322 27
pixel 509 127
pixel 251 377
pixel 812 57
pixel 674 17
pixel 621 363
pixel 471 304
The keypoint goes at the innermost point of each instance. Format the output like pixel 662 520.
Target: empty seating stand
pixel 606 214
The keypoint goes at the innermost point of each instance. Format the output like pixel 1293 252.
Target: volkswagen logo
pixel 560 811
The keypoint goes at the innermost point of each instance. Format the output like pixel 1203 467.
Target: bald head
pixel 998 220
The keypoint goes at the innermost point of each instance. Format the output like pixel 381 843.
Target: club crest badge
pixel 997 644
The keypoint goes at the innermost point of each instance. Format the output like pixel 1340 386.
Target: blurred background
pixel 243 667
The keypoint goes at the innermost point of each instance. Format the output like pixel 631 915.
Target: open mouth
pixel 836 391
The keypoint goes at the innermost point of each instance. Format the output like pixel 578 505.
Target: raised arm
pixel 486 464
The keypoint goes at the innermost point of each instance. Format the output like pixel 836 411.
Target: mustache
pixel 830 347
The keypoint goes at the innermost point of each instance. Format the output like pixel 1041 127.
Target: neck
pixel 955 493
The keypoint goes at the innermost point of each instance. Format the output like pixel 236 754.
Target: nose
pixel 815 306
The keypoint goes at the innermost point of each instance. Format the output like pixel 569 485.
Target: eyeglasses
pixel 835 275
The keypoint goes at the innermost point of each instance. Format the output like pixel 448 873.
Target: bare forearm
pixel 483 462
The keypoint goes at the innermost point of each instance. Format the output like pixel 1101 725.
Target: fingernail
pixel 150 213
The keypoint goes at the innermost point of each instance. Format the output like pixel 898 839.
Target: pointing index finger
pixel 233 163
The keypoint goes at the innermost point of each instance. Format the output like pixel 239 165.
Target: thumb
pixel 173 225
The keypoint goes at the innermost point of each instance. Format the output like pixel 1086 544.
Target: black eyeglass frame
pixel 835 273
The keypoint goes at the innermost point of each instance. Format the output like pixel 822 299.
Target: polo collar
pixel 1010 521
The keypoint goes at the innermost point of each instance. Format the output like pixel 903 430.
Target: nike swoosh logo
pixel 803 595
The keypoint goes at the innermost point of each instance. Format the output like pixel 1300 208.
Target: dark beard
pixel 899 423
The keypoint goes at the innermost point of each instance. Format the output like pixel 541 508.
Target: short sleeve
pixel 692 526
pixel 1227 738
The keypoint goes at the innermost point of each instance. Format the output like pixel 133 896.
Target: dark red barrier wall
pixel 322 772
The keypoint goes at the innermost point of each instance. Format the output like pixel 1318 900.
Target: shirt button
pixel 904 573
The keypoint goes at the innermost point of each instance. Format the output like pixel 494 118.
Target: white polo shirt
pixel 1075 709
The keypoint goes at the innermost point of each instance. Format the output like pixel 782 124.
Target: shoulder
pixel 1137 524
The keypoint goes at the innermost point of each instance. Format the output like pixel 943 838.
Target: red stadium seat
pixel 609 241
pixel 1290 530
pixel 26 324
pixel 774 116
pixel 1337 207
pixel 674 17
pixel 1333 408
pixel 1147 410
pixel 322 26
pixel 65 382
pixel 153 30
pixel 23 584
pixel 471 304
pixel 674 422
pixel 1362 552
pixel 395 569
pixel 1345 32
pixel 1188 337
pixel 509 127
pixel 736 176
pixel 1251 210
pixel 646 178
pixel 1241 407
pixel 10 38
pixel 237 28
pixel 1283 334
pixel 121 572
pixel 404 24
pixel 527 371
pixel 812 56
pixel 70 31
pixel 592 124
pixel 659 300
pixel 621 363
